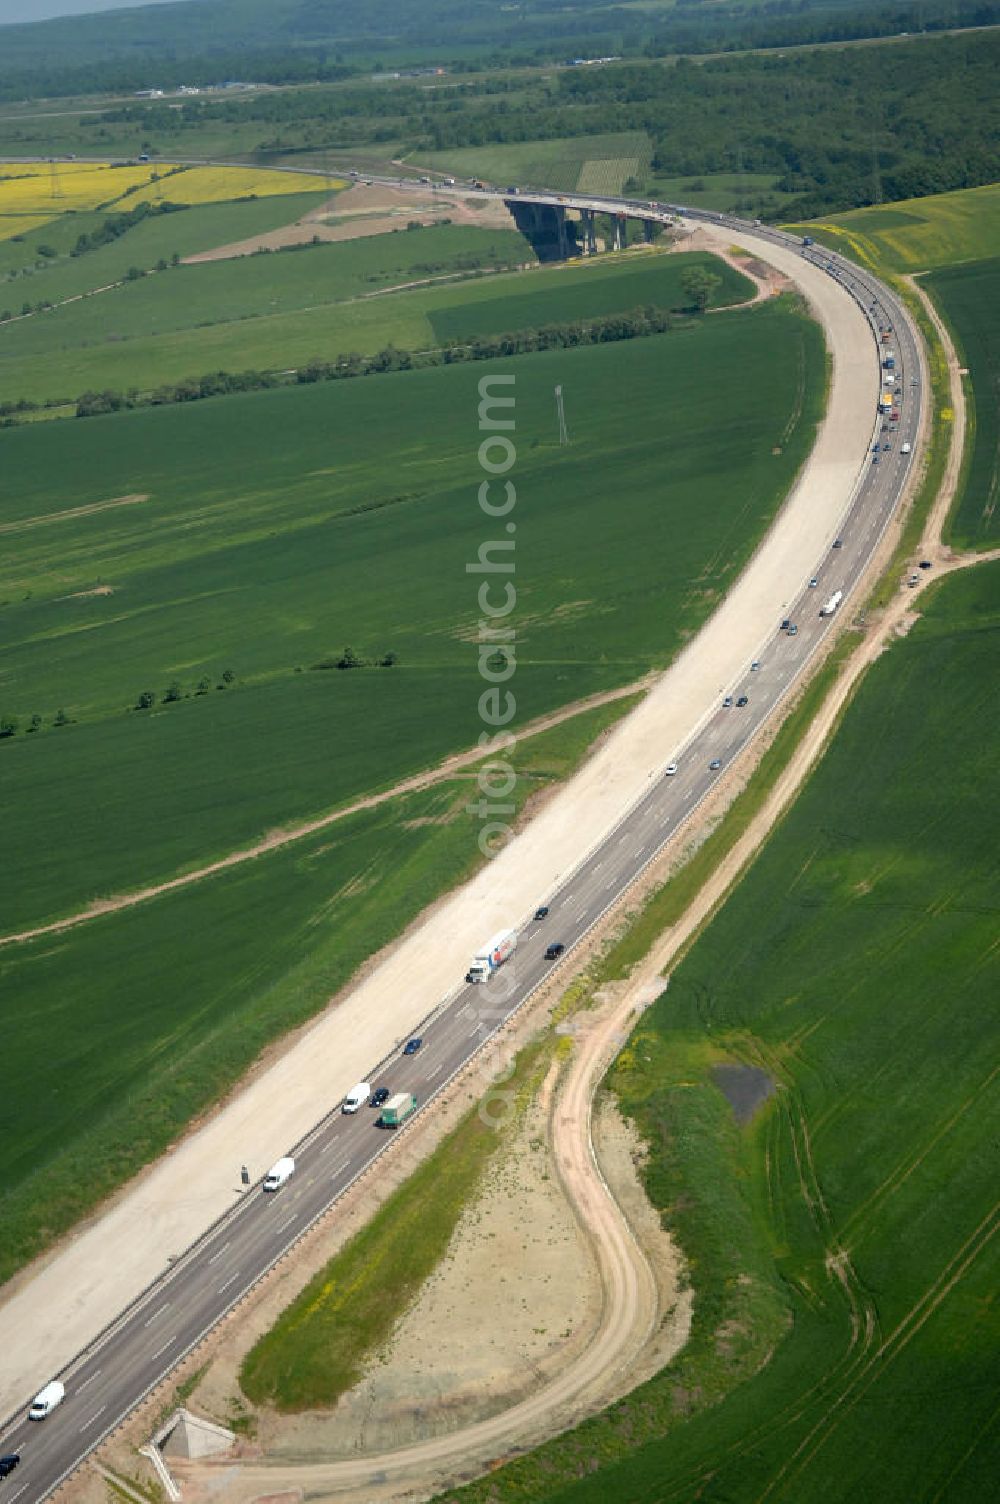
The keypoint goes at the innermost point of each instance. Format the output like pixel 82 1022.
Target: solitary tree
pixel 8 725
pixel 146 700
pixel 228 676
pixel 61 719
pixel 700 286
pixel 174 692
pixel 36 723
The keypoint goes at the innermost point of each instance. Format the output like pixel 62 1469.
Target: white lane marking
pixel 157 1314
pixel 88 1423
pixel 597 866
pixel 81 1387
pixel 435 1072
pixel 229 1281
pixel 474 1030
pixel 339 1168
pixel 287 1222
pixel 18 1494
pixel 219 1254
pixel 159 1350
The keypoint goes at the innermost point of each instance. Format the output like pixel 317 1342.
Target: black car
pixel 9 1463
pixel 378 1096
pixel 412 1046
pixel 785 624
pixel 925 564
pixel 743 700
pixel 839 542
pixel 554 951
pixel 541 911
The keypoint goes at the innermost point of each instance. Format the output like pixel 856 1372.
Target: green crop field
pixel 599 290
pixel 922 233
pixel 841 1244
pixel 726 191
pixel 257 287
pixel 970 298
pixel 594 164
pixel 283 525
pixel 119 1032
pixel 105 341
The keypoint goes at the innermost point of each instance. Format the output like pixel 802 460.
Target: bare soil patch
pixel 362 211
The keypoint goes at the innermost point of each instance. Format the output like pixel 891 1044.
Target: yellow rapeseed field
pixel 209 185
pixel 34 193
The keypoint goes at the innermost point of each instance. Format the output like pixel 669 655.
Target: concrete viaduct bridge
pixel 563 225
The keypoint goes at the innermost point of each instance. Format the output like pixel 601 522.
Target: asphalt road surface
pixel 104 1383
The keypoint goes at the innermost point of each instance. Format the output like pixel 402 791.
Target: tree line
pixel 639 323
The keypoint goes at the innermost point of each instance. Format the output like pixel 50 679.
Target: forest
pixel 200 42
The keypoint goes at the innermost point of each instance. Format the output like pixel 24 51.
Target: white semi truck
pixel 830 606
pixel 492 956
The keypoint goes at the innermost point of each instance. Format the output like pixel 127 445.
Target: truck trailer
pixel 398 1109
pixel 885 402
pixel 492 956
pixel 830 606
pixel 889 361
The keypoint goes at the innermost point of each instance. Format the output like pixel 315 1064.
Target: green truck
pixel 398 1109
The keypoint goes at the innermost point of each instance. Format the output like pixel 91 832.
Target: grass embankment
pixel 917 235
pixel 123 1030
pixel 840 1245
pixel 969 296
pixel 317 1349
pixel 907 238
pixel 279 528
pixel 280 311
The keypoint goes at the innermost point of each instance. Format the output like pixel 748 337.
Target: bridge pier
pixel 589 232
pixel 618 234
pixel 552 235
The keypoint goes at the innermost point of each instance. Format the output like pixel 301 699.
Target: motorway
pixel 146 1342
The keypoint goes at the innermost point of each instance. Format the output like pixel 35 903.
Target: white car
pixel 670 770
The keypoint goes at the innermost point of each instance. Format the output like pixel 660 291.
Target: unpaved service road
pixel 583 851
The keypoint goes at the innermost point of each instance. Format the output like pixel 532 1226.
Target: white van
pixel 279 1174
pixel 357 1097
pixel 46 1400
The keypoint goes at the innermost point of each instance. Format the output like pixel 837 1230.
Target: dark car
pixel 925 564
pixel 727 703
pixel 9 1463
pixel 378 1096
pixel 785 624
pixel 743 700
pixel 715 764
pixel 412 1046
pixel 541 911
pixel 838 542
pixel 554 951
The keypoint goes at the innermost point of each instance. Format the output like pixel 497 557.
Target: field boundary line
pixel 278 839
